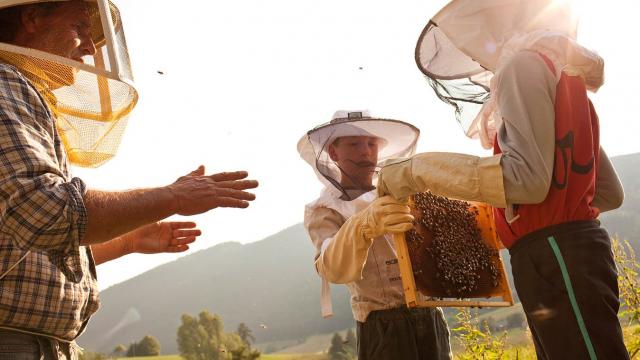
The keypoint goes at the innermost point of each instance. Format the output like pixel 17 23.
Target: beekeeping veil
pixel 397 139
pixel 464 46
pixel 90 100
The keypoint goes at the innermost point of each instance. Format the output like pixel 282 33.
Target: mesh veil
pixel 464 45
pixel 398 139
pixel 90 100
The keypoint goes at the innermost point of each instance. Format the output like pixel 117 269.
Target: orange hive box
pixel 451 256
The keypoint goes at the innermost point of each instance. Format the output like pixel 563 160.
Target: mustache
pixel 363 164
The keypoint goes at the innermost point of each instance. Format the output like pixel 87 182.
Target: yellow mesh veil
pixel 91 101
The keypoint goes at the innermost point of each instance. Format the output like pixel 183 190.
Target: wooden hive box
pixel 421 266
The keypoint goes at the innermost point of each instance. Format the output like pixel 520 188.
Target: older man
pixel 350 229
pixel 549 178
pixel 64 91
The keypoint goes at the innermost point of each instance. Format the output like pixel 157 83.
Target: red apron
pixel 573 183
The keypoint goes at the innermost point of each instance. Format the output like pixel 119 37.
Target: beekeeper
pixel 65 92
pixel 518 81
pixel 350 228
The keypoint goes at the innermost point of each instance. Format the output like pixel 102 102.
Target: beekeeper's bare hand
pixel 196 192
pixel 385 215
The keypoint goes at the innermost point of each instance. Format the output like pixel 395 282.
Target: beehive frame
pixel 502 296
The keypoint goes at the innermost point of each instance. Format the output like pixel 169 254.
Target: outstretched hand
pixel 162 237
pixel 196 192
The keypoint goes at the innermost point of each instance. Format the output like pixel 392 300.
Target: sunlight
pixel 579 8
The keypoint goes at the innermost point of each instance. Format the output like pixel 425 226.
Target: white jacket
pixel 373 278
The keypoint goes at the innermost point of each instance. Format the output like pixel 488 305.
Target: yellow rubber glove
pixel 344 257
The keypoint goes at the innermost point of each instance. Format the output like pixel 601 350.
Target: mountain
pixel 270 285
pixel 625 221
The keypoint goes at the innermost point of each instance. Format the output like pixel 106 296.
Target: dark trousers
pixel 20 346
pixel 566 278
pixel 404 334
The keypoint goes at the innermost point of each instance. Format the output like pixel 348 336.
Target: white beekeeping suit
pixel 368 267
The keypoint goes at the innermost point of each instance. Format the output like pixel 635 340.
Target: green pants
pixel 404 334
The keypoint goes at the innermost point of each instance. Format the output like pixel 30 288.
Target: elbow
pixel 539 194
pixel 617 201
pixel 526 186
pixel 536 191
pixel 609 201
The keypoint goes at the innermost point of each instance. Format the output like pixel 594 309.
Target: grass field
pixel 294 357
pixel 518 342
pixel 263 357
pixel 163 357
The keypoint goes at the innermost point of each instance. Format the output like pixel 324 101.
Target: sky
pixel 243 80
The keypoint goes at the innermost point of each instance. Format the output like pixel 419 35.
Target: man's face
pixel 64 31
pixel 357 157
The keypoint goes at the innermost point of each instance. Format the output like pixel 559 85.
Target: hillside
pixel 625 221
pixel 269 283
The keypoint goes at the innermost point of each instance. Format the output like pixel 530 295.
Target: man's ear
pixel 332 153
pixel 31 18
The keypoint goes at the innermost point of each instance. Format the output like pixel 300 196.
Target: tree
pixel 337 350
pixel 239 350
pixel 246 334
pixel 132 350
pixel 119 351
pixel 203 338
pixel 148 346
pixel 197 342
pixel 350 343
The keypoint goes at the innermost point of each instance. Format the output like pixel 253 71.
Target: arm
pixel 526 99
pixel 609 192
pixel 112 214
pixel 323 228
pixel 522 174
pixel 341 257
pixel 458 176
pixel 161 237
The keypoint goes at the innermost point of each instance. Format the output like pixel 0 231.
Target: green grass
pixel 518 342
pixel 311 345
pixel 294 357
pixel 162 357
pixel 521 353
pixel 263 357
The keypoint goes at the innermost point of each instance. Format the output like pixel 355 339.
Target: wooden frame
pixel 414 298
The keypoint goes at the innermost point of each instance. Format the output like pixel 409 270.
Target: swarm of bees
pixel 448 255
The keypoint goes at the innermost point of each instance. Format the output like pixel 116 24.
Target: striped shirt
pixel 53 289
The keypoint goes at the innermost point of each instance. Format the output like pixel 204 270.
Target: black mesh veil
pixel 456 78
